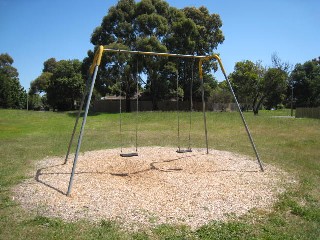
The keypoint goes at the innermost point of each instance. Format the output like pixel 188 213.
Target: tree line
pixel 277 86
pixel 154 25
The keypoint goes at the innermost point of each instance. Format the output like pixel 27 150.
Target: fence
pixel 112 106
pixel 308 112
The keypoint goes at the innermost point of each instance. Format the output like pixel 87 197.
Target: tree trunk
pixel 154 103
pixel 256 107
pixel 128 103
pixel 255 111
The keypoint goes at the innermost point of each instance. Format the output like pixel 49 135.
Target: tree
pixel 65 85
pixel 208 29
pixel 12 94
pixel 119 74
pixel 37 92
pixel 49 65
pixel 117 31
pixel 40 84
pixel 273 84
pixel 59 86
pixel 196 32
pixel 255 85
pixel 247 80
pixel 156 85
pixel 274 87
pixel 306 83
pixel 152 25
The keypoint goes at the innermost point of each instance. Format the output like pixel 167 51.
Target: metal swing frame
pixel 93 74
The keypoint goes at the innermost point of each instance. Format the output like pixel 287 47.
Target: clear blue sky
pixel 33 31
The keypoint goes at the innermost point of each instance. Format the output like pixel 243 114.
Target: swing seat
pixel 128 154
pixel 183 150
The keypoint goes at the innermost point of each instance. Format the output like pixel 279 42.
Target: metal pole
pixel 292 99
pixel 152 53
pixel 27 101
pixel 241 114
pixel 82 129
pixel 204 114
pixel 77 120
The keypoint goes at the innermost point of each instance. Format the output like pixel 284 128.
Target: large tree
pixel 12 94
pixel 59 86
pixel 305 79
pixel 247 80
pixel 39 86
pixel 38 90
pixel 256 85
pixel 152 25
pixel 153 66
pixel 274 87
pixel 65 85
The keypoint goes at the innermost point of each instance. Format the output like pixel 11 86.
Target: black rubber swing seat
pixel 128 154
pixel 184 150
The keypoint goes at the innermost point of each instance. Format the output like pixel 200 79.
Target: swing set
pixel 90 86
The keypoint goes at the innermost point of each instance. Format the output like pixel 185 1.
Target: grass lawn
pixel 289 143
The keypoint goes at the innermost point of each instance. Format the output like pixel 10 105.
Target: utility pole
pixel 28 101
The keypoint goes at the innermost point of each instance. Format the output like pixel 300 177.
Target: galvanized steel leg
pixel 244 122
pixel 77 120
pixel 82 130
pixel 204 114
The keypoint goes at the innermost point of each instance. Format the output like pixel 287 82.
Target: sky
pixel 33 31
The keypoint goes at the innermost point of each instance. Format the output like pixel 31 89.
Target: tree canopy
pixel 256 85
pixel 153 25
pixel 62 83
pixel 66 85
pixel 305 80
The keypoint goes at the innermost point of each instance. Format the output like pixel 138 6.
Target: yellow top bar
pixel 220 63
pixel 98 56
pixel 101 48
pixel 152 53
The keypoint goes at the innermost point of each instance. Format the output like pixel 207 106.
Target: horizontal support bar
pixel 153 53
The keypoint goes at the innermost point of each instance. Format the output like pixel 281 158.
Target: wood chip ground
pixel 157 186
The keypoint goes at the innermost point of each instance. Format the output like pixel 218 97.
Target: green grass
pixel 292 144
